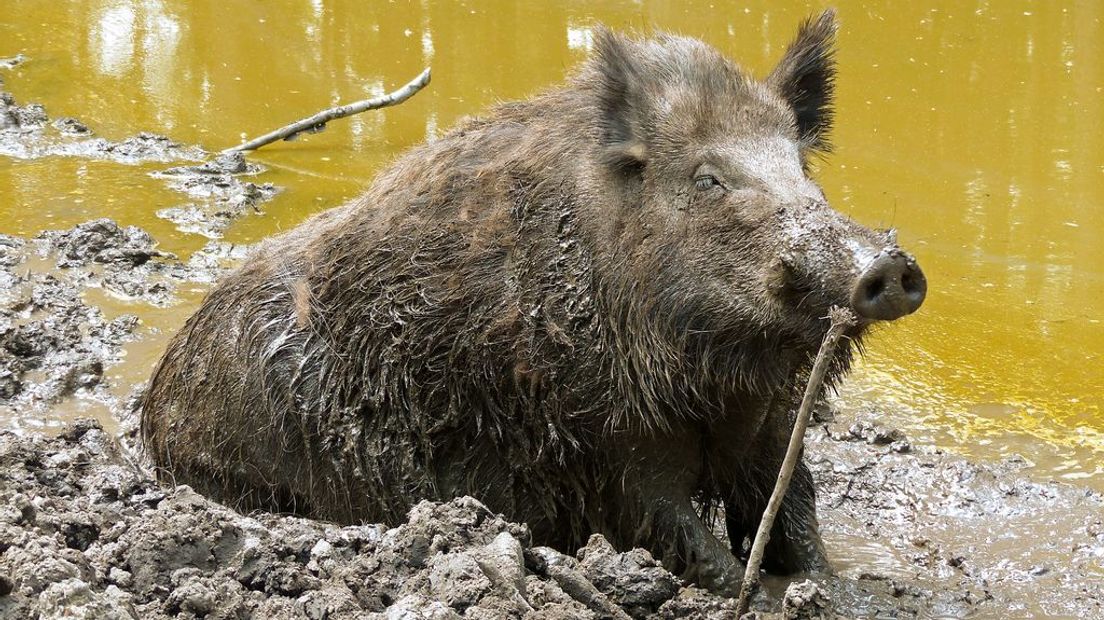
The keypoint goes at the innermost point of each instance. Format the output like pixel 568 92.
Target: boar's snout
pixel 890 287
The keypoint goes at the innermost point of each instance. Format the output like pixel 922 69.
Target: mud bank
pixel 85 532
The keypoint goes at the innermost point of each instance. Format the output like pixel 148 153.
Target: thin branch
pixel 841 318
pixel 317 123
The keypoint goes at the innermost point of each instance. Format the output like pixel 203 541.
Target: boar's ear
pixel 805 78
pixel 620 100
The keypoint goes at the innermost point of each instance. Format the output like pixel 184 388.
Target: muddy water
pixel 975 128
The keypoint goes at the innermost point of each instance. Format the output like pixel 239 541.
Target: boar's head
pixel 716 211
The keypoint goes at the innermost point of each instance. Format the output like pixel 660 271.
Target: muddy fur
pixel 551 309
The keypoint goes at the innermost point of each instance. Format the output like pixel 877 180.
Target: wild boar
pixel 593 310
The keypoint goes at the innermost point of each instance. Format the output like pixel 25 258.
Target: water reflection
pixel 138 37
pixel 1018 264
pixel 580 38
pixel 112 41
pixel 973 127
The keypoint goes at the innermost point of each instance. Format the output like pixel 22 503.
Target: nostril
pixel 915 285
pixel 889 288
pixel 913 280
pixel 875 288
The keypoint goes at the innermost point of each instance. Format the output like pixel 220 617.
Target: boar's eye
pixel 706 182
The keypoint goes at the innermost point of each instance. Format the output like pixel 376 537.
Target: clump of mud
pixel 122 261
pixel 222 196
pixel 84 532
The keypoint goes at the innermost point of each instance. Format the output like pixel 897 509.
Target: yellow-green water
pixel 976 128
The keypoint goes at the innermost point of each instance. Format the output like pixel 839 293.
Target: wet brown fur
pixel 538 310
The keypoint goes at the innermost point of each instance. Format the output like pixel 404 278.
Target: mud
pixel 220 194
pixel 55 342
pixel 27 132
pixel 85 531
pixel 11 63
pixel 52 344
pixel 947 537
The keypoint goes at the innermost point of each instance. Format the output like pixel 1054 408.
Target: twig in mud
pixel 317 123
pixel 841 318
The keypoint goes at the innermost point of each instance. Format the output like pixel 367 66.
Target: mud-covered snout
pixel 890 287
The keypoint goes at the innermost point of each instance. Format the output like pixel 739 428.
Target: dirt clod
pixel 102 241
pixel 805 601
pixel 634 580
pixel 220 195
pixel 875 434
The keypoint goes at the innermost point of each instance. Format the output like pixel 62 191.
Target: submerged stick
pixel 841 318
pixel 317 123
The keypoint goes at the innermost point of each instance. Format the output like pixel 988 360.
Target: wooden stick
pixel 841 318
pixel 317 123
